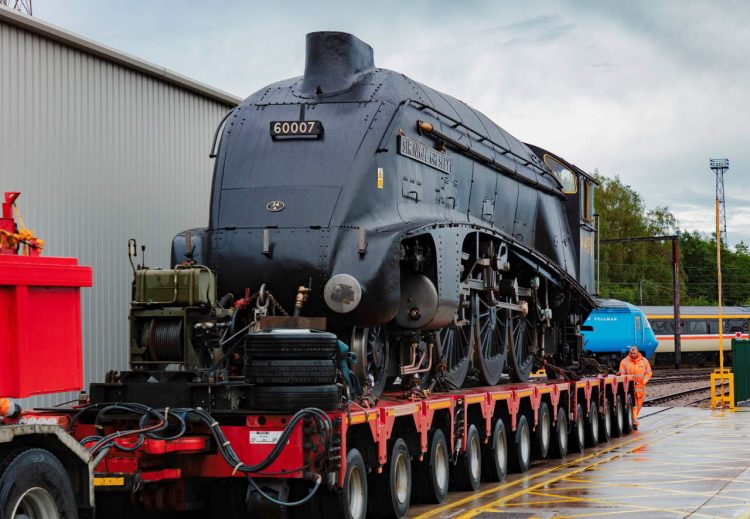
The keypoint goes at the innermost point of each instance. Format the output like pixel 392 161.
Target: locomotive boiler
pixel 435 244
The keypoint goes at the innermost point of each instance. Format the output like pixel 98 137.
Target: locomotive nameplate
pixel 296 129
pixel 424 154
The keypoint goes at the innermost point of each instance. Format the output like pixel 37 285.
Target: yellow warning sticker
pixel 380 178
pixel 109 482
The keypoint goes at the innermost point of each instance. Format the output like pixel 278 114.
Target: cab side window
pixel 567 178
pixel 587 204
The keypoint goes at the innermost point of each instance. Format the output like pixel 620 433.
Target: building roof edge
pixel 52 32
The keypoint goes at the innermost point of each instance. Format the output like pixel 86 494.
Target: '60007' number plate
pixel 295 129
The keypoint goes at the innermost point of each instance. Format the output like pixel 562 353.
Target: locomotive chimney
pixel 334 61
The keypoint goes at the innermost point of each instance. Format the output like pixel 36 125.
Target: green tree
pixel 638 272
pixel 634 272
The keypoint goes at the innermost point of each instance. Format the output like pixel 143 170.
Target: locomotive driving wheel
pixel 523 345
pixel 491 327
pixel 371 347
pixel 455 343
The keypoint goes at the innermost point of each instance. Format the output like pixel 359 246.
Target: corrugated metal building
pixel 104 147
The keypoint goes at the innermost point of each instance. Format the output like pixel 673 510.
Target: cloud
pixel 646 90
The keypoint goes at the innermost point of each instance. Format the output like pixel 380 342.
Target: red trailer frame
pixel 161 467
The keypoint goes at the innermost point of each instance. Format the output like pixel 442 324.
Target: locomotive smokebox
pixel 334 62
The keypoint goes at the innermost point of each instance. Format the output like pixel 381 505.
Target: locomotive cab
pixel 578 187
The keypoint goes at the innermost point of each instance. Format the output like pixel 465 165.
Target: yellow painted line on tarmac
pixel 629 507
pixel 555 479
pixel 473 496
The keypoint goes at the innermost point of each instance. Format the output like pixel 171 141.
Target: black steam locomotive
pixel 434 243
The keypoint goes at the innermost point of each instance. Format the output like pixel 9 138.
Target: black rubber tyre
pixel 349 502
pixel 495 454
pixel 605 422
pixel 592 425
pixel 291 371
pixel 431 476
pixel 390 491
pixel 291 358
pixel 294 398
pixel 577 436
pixel 519 451
pixel 543 431
pixel 628 422
pixel 466 474
pixel 618 418
pixel 33 483
pixel 559 441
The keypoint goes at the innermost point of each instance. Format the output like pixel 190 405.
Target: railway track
pixel 679 394
pixel 671 376
pixel 672 396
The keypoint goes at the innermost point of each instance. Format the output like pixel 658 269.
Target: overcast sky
pixel 647 90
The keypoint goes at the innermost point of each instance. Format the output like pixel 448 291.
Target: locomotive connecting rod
pixel 522 307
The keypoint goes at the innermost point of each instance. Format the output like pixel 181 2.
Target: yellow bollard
pixel 724 399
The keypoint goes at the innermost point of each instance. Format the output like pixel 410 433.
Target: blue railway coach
pixel 613 328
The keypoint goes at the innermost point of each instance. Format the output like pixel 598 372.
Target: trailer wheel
pixel 618 420
pixel 578 433
pixel 495 454
pixel 605 422
pixel 520 447
pixel 351 501
pixel 431 478
pixel 543 431
pixel 628 422
pixel 467 472
pixel 390 492
pixel 34 484
pixel 559 447
pixel 592 425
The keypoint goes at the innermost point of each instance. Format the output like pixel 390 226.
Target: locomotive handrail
pixel 213 152
pixel 492 163
pixel 482 138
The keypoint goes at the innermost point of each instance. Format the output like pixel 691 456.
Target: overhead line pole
pixel 675 261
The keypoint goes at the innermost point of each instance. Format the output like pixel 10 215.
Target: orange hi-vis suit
pixel 641 369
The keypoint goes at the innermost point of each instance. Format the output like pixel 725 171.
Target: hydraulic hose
pixel 153 422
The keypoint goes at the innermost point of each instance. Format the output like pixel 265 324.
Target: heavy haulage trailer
pixel 155 444
pixel 356 329
pixel 353 462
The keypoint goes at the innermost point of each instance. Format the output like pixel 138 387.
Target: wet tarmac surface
pixel 682 462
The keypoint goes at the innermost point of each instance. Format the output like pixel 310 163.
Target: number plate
pixel 296 129
pixel 265 437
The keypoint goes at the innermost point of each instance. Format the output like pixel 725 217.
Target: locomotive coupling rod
pixel 522 307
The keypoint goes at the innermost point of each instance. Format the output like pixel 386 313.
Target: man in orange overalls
pixel 639 366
